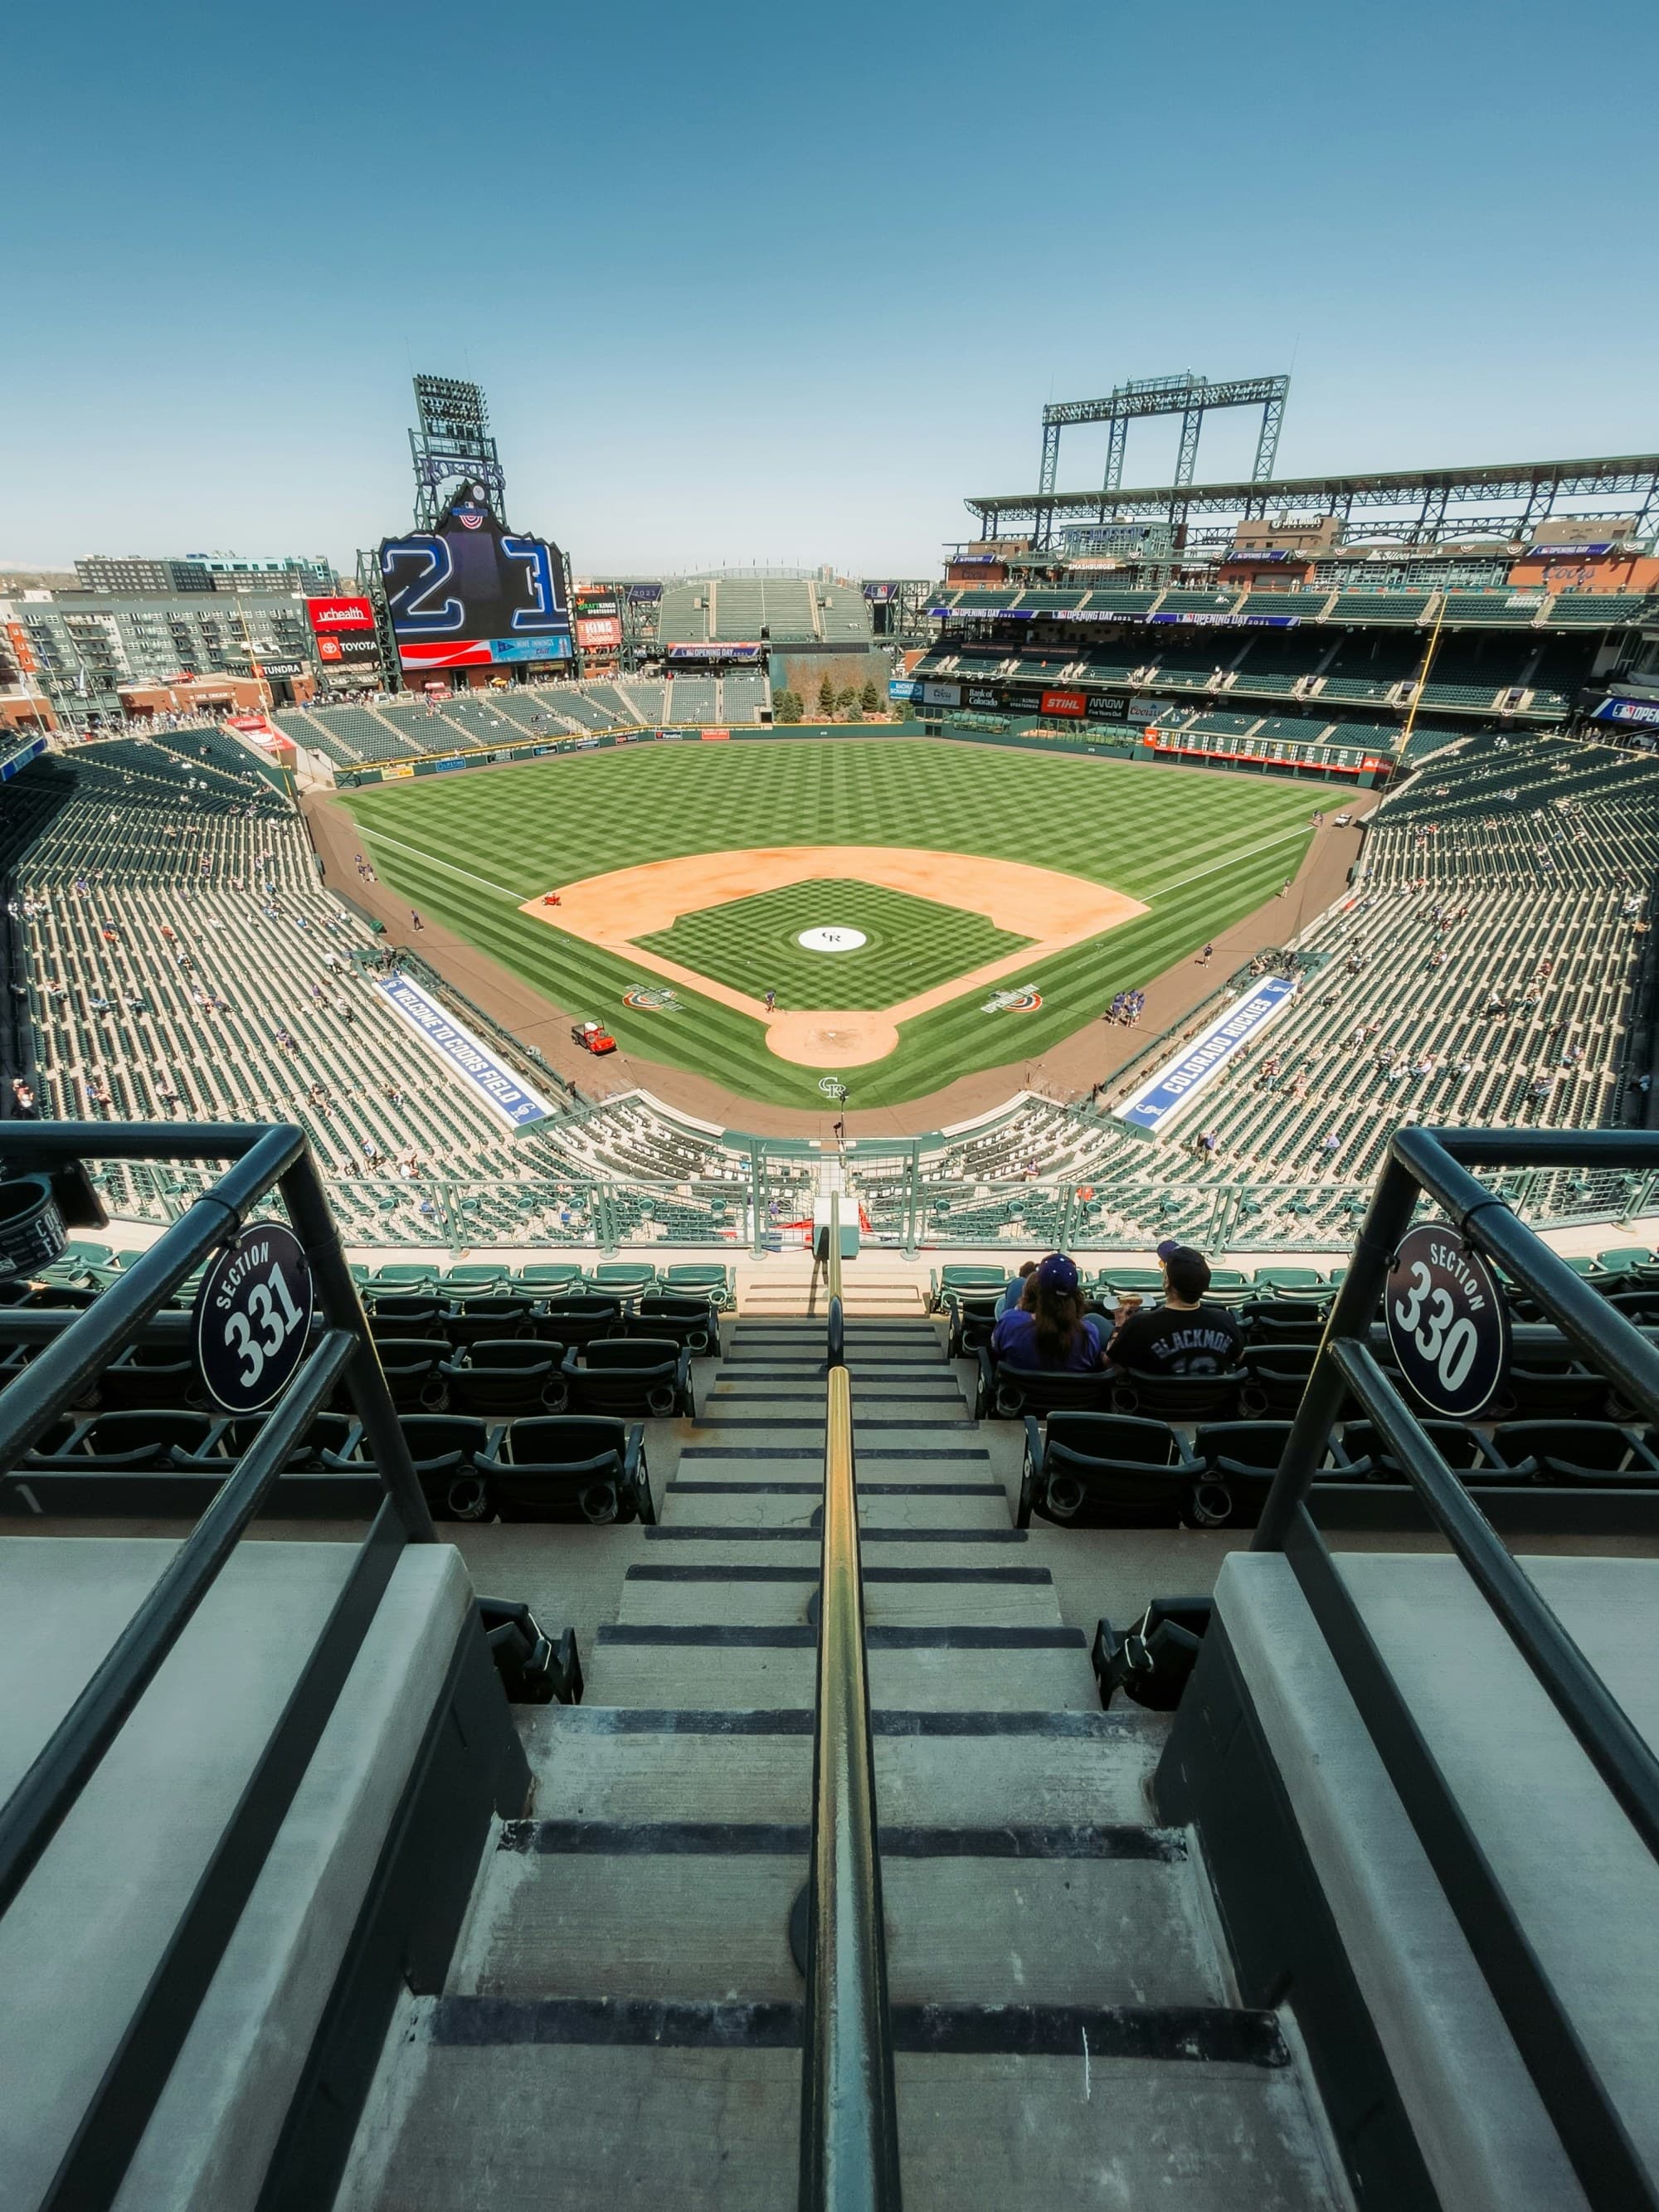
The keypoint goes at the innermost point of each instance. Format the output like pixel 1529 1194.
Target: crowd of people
pixel 1043 1321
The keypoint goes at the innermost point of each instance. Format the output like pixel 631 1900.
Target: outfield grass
pixel 1201 849
pixel 914 942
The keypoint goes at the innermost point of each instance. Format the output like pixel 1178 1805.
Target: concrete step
pixel 567 2126
pixel 593 2105
pixel 790 1506
pixel 920 1594
pixel 940 1670
pixel 874 1421
pixel 975 1770
pixel 937 1388
pixel 804 1461
pixel 686 1910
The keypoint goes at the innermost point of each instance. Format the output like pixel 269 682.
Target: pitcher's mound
pixel 831 1040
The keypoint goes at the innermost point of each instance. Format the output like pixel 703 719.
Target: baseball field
pixel 916 910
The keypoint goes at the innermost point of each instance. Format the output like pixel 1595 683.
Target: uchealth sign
pixel 1162 1096
pixel 330 617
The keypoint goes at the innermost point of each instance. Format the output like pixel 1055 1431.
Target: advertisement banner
pixel 473 655
pixel 331 616
pixel 942 695
pixel 1644 712
pixel 15 762
pixel 1164 1094
pixel 1108 706
pixel 901 687
pixel 978 697
pixel 279 668
pixel 463 1054
pixel 644 595
pixel 530 648
pixel 1074 703
pixel 599 633
pixel 705 649
pixel 353 647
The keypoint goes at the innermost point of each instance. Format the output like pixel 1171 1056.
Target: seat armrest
pixel 636 1474
pixel 986 1393
pixel 1031 1467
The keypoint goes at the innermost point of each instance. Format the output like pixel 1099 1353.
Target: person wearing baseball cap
pixel 1049 1327
pixel 1185 1335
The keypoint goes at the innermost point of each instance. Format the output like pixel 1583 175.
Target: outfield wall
pixel 1122 744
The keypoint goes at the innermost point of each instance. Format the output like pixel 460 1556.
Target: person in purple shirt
pixel 1050 1328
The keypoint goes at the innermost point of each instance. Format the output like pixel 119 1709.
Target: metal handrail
pixel 849 2116
pixel 262 1158
pixel 1437 1162
pixel 836 1353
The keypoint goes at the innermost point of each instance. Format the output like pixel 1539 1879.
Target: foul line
pixel 380 837
pixel 1232 861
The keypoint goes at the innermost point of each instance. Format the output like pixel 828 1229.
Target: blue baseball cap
pixel 1169 1246
pixel 1059 1274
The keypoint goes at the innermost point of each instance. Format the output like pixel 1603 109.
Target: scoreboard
pixel 472 593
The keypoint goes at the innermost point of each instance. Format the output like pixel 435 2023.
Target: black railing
pixel 1437 1162
pixel 79 1346
pixel 848 2117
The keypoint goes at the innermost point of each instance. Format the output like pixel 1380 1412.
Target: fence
pixel 765 1205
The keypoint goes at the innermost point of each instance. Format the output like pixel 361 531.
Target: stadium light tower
pixel 1187 395
pixel 451 442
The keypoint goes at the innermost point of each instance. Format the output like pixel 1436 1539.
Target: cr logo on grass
pixel 646 1000
pixel 1013 1002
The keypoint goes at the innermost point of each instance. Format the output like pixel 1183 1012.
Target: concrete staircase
pixel 621 2026
pixel 788 1285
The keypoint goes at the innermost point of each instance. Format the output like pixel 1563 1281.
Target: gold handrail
pixel 848 2123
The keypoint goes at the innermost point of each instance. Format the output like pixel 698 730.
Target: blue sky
pixel 749 282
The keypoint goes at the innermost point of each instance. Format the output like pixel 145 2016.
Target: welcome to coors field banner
pixel 460 1051
pixel 1160 1098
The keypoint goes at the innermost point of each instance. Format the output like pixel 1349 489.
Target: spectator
pixel 1013 1290
pixel 1184 1335
pixel 1049 1329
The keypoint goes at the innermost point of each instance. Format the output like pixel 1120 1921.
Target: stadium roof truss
pixel 1422 506
pixel 1188 396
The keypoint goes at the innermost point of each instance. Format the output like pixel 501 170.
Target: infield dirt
pixel 1054 910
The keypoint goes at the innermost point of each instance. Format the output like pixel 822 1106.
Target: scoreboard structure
pixel 470 593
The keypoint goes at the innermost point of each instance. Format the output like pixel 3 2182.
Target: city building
pixel 202 572
pixel 94 651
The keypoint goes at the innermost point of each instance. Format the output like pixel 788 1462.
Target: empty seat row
pixel 1107 1470
pixel 556 1467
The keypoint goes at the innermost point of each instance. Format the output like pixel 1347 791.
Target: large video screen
pixel 473 592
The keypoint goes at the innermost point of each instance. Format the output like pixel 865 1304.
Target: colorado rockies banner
pixel 1163 1095
pixel 463 1052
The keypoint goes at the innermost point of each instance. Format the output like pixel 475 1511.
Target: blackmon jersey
pixel 1201 1339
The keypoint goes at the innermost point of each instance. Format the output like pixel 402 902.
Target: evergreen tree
pixel 826 698
pixel 870 698
pixel 786 705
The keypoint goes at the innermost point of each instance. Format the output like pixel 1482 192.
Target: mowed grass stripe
pixel 913 943
pixel 1203 849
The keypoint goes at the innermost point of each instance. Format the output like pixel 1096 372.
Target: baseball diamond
pixel 1147 866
